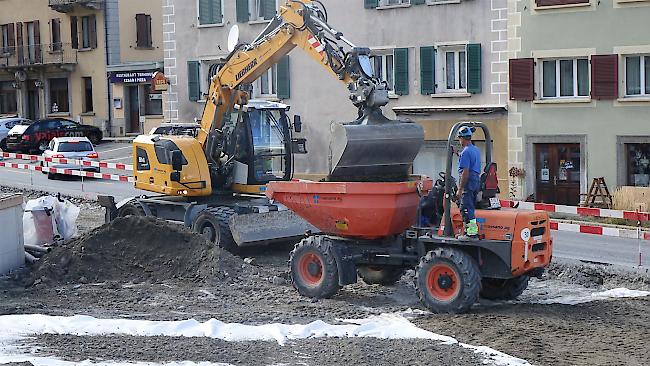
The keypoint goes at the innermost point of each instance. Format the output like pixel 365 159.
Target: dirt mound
pixel 137 249
pixel 594 275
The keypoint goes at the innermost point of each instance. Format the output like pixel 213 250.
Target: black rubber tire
pixel 498 289
pixel 131 209
pixel 380 275
pixel 3 145
pixel 468 280
pixel 328 285
pixel 213 223
pixel 95 138
pixel 51 176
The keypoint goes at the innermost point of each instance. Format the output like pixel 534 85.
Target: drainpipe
pixel 108 125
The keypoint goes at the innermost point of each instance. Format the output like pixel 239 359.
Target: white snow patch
pixel 386 326
pixel 594 296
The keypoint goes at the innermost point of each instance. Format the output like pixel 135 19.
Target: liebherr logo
pixel 246 69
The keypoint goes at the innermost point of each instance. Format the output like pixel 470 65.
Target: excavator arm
pixel 371 147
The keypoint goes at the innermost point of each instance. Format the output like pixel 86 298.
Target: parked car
pixel 189 129
pixel 76 148
pixel 7 124
pixel 35 137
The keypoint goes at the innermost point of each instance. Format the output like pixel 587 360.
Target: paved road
pixel 601 249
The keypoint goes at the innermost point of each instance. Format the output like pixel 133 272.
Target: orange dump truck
pixel 375 230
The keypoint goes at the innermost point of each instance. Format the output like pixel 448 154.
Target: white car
pixel 75 148
pixel 7 124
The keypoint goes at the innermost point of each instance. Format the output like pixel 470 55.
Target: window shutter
pixel 92 30
pixel 559 2
pixel 149 34
pixel 74 33
pixel 141 30
pixel 269 9
pixel 427 70
pixel 242 11
pixel 20 51
pixel 12 38
pixel 193 83
pixel 205 13
pixel 418 2
pixel 370 4
pixel 522 79
pixel 474 79
pixel 217 12
pixel 37 41
pixel 604 77
pixel 284 79
pixel 401 67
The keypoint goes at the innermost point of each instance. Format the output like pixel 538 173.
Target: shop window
pixel 152 101
pixel 59 101
pixel 565 78
pixel 638 164
pixel 8 104
pixel 88 94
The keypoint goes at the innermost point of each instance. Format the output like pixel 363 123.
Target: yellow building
pixel 66 58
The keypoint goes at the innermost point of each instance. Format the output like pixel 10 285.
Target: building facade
pixel 580 98
pixel 55 57
pixel 441 70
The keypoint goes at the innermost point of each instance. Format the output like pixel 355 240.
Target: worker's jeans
pixel 468 204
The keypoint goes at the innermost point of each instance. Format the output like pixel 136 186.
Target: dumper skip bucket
pixel 360 210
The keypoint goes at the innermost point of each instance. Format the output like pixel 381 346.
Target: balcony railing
pixel 65 6
pixel 38 55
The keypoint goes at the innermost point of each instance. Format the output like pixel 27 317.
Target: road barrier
pixel 78 173
pixel 580 211
pixel 88 163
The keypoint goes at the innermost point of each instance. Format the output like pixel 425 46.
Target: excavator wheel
pixel 313 268
pixel 498 289
pixel 132 208
pixel 380 275
pixel 447 280
pixel 213 223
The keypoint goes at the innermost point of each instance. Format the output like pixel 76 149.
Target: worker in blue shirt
pixel 469 170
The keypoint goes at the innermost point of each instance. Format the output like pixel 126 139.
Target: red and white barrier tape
pixel 581 211
pixel 96 164
pixel 78 173
pixel 600 230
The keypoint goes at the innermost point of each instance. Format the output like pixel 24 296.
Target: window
pixel 567 78
pixel 393 2
pixel 454 68
pixel 55 30
pixel 209 68
pixel 59 95
pixel 88 94
pixel 268 82
pixel 79 146
pixel 638 164
pixel 560 2
pixel 384 67
pixel 210 12
pixel 4 39
pixel 262 9
pixel 152 101
pixel 143 31
pixel 8 103
pixel 637 76
pixel 88 32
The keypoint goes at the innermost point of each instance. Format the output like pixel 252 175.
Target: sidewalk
pixel 123 139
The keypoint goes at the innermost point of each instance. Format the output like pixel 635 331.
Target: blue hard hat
pixel 465 132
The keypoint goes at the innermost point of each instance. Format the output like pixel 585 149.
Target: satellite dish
pixel 20 76
pixel 233 38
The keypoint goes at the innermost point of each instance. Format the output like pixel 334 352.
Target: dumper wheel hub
pixel 311 268
pixel 443 282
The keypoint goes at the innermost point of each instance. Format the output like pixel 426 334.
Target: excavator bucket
pixel 374 149
pixel 268 227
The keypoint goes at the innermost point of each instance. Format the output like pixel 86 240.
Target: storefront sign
pixel 159 82
pixel 137 77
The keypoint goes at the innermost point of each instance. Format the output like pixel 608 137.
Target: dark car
pixel 35 137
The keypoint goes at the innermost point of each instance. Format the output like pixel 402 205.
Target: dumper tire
pixel 214 224
pixel 131 208
pixel 313 269
pixel 380 275
pixel 448 280
pixel 499 289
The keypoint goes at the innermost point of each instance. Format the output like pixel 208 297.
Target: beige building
pixel 54 56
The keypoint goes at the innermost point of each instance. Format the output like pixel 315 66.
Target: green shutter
pixel 268 9
pixel 205 12
pixel 401 57
pixel 284 79
pixel 474 68
pixel 427 70
pixel 418 2
pixel 193 84
pixel 242 11
pixel 371 4
pixel 217 13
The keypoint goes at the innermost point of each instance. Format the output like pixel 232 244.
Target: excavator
pixel 214 183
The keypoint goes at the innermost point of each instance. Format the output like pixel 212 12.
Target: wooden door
pixel 558 173
pixel 133 108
